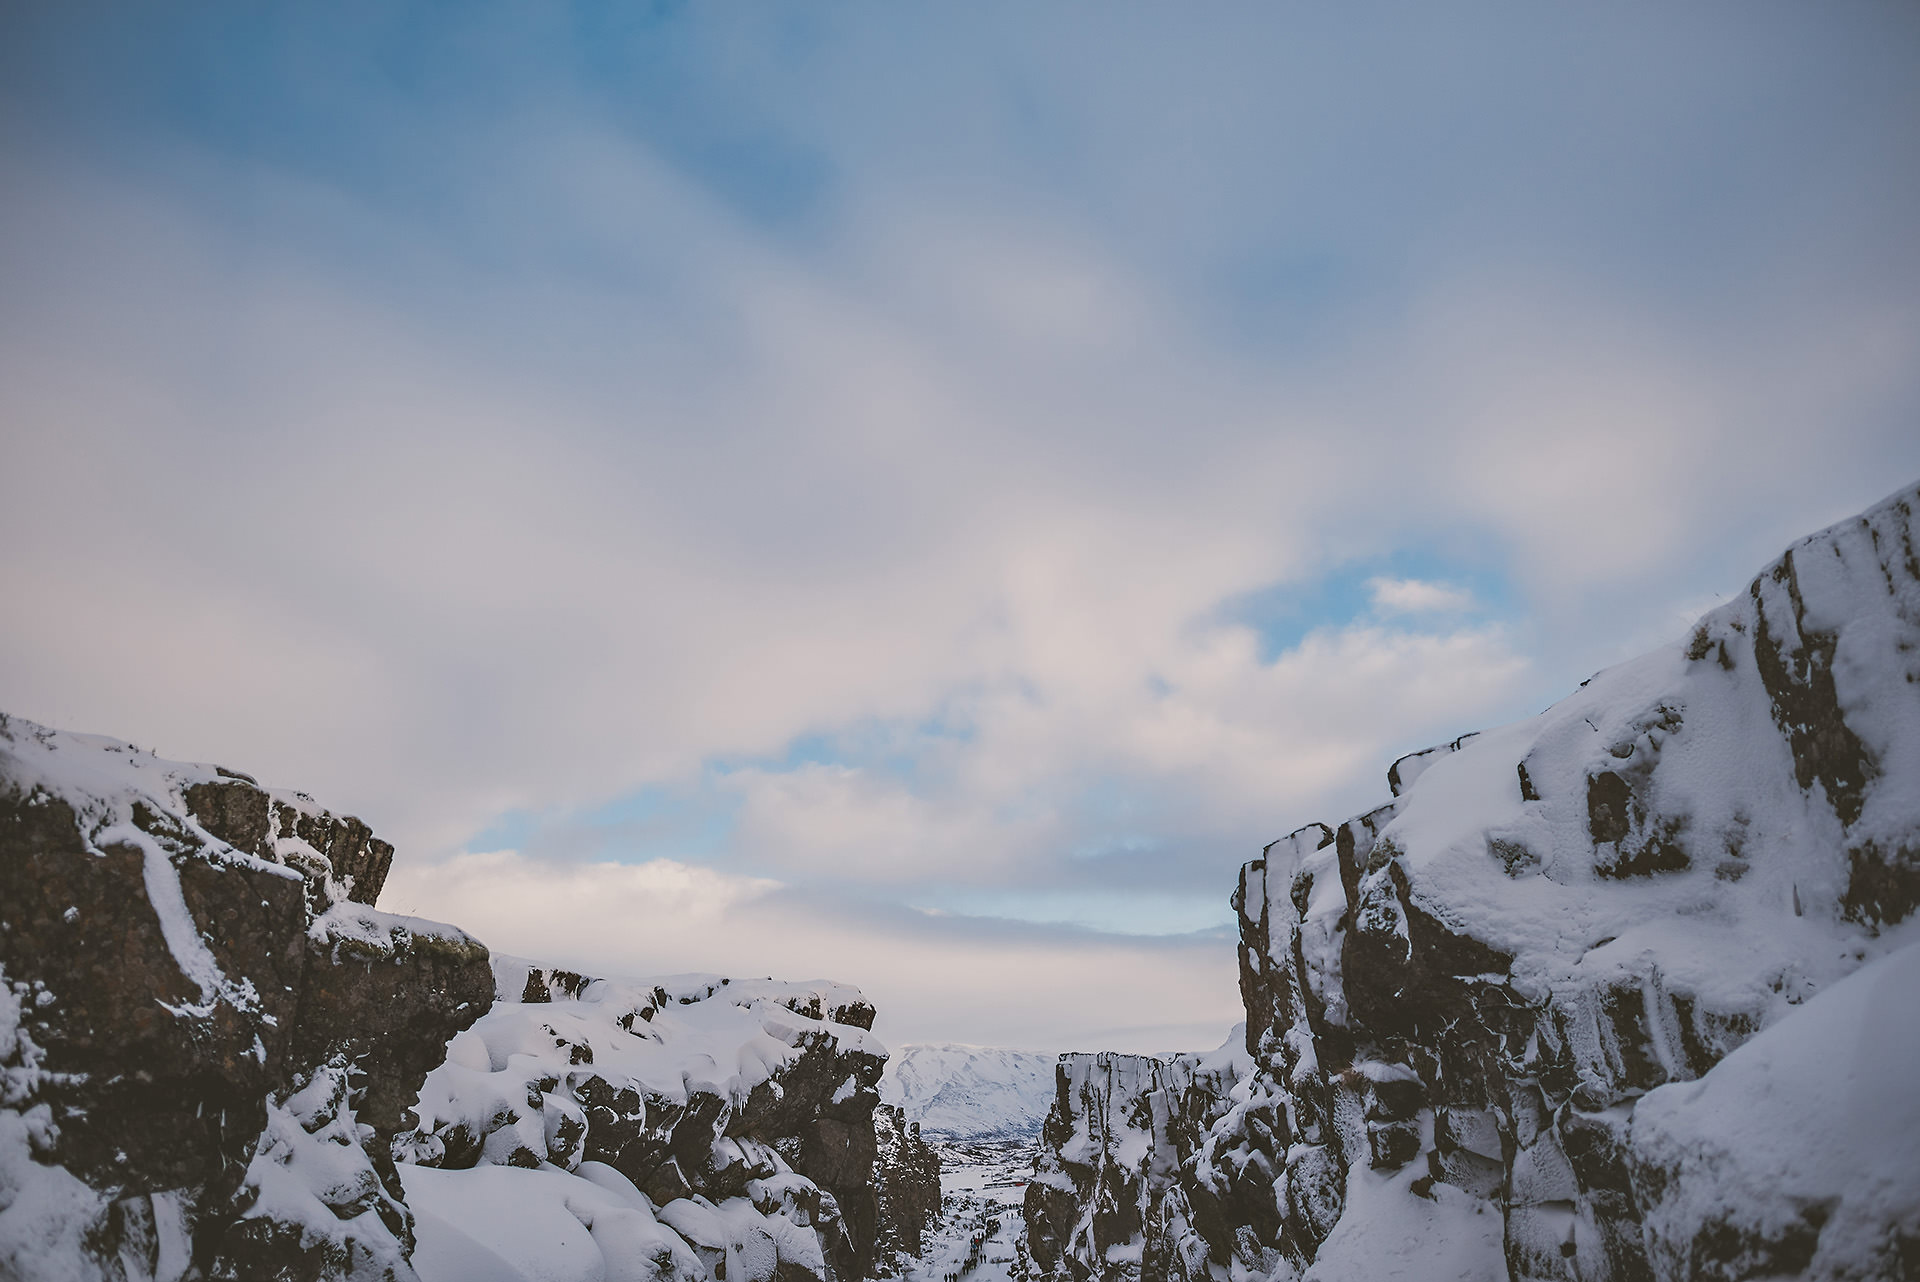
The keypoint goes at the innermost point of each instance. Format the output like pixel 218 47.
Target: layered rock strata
pixel 207 1035
pixel 1545 1013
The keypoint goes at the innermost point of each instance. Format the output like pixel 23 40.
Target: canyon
pixel 1626 990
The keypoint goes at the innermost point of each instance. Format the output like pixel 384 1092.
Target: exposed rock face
pixel 194 990
pixel 732 1121
pixel 1487 1016
pixel 906 1179
pixel 1107 1196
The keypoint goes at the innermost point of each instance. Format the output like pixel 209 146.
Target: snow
pixel 380 931
pixel 530 1223
pixel 1818 1112
pixel 1388 1231
pixel 970 1092
pixel 310 1169
pixel 45 1213
pixel 552 1217
pixel 982 1184
pixel 1755 924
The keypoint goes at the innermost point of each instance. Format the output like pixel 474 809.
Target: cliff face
pixel 689 1127
pixel 197 997
pixel 217 1060
pixel 1107 1196
pixel 1487 1016
pixel 906 1177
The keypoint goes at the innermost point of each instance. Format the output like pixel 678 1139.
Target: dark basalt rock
pixel 162 1075
pixel 1391 1029
pixel 906 1179
pixel 814 1112
pixel 1091 1192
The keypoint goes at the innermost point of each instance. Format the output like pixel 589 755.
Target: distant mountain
pixel 970 1092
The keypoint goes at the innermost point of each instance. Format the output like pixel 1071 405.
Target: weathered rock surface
pixel 906 1180
pixel 732 1119
pixel 1487 1017
pixel 194 989
pixel 1107 1195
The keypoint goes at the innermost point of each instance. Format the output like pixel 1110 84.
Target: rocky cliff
pixel 207 1035
pixel 219 1061
pixel 688 1127
pixel 1575 1002
pixel 1107 1195
pixel 906 1179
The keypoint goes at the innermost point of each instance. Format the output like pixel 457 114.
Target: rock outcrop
pixel 906 1181
pixel 698 1127
pixel 1107 1194
pixel 1546 1014
pixel 206 1033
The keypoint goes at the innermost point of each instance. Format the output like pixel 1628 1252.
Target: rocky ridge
pixel 1487 1017
pixel 1106 1193
pixel 709 1126
pixel 219 1061
pixel 206 1033
pixel 906 1187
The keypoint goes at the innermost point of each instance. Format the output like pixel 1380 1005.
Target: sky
pixel 915 495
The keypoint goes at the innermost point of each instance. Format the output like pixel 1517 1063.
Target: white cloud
pixel 932 977
pixel 1417 596
pixel 575 478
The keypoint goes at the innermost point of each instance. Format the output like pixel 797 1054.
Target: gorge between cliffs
pixel 1628 990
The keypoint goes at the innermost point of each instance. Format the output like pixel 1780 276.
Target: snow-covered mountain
pixel 970 1092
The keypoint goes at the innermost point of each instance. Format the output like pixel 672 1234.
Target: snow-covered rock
pixel 1574 1003
pixel 1800 1151
pixel 715 1126
pixel 206 1033
pixel 906 1174
pixel 960 1092
pixel 1107 1194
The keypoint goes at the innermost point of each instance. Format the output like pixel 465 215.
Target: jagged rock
pixel 739 1113
pixel 170 943
pixel 1106 1199
pixel 906 1179
pixel 1507 1024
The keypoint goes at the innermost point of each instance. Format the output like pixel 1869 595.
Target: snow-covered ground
pixel 981 1187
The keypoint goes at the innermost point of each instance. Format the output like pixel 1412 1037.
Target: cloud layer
pixel 912 498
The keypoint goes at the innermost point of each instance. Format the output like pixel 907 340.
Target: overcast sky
pixel 915 494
